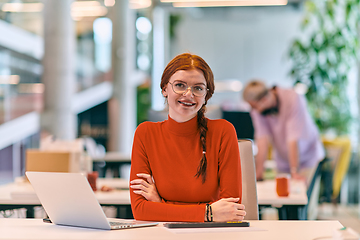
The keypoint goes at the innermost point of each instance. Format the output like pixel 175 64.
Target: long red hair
pixel 187 61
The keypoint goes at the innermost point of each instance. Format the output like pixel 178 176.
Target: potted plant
pixel 322 60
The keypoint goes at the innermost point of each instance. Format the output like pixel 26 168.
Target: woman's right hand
pixel 145 186
pixel 228 209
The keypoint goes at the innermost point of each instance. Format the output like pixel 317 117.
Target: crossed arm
pixel 225 209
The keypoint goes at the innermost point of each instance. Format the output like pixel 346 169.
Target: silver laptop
pixel 69 200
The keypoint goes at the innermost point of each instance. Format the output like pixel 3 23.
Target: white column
pixel 16 159
pixel 59 69
pixel 160 55
pixel 122 107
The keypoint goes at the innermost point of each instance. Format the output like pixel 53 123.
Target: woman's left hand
pixel 145 188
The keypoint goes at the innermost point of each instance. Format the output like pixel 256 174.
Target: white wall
pixel 240 43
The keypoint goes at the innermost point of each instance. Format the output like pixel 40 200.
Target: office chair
pixel 338 153
pixel 249 192
pixel 242 122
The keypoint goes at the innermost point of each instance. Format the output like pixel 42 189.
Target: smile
pixel 187 103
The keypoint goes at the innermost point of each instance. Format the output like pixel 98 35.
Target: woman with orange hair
pixel 186 168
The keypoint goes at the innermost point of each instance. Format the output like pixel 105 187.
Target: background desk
pixel 269 230
pixel 22 195
pixel 291 207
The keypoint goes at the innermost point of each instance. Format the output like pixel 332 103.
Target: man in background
pixel 281 119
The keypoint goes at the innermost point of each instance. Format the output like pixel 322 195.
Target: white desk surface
pixel 12 228
pixel 266 191
pixel 114 157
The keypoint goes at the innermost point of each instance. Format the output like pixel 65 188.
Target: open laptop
pixel 69 200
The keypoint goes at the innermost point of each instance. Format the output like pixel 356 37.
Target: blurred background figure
pixel 281 120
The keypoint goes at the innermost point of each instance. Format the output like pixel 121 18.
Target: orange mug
pixel 283 185
pixel 92 176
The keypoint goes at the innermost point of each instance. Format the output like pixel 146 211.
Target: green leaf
pixel 305 23
pixel 326 58
pixel 310 6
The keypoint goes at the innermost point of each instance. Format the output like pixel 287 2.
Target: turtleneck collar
pixel 182 129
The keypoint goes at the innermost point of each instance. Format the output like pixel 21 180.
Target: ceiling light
pixel 217 3
pixel 84 4
pixel 22 7
pixel 137 4
pixel 173 1
pixel 87 9
pixel 109 3
pixel 90 12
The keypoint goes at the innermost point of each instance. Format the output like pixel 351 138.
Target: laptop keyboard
pixel 120 224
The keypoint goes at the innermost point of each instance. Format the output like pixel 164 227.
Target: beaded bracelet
pixel 207 212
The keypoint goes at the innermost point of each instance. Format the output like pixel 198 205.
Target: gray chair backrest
pixel 249 192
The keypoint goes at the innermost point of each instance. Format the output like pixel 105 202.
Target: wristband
pixel 207 212
pixel 211 215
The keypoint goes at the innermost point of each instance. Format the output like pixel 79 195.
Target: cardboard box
pixel 52 161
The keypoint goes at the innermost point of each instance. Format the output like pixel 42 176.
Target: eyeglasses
pixel 181 88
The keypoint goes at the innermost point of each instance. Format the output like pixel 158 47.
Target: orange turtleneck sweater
pixel 171 152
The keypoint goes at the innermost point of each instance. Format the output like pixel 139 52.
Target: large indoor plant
pixel 323 57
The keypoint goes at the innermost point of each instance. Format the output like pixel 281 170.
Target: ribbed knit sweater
pixel 171 152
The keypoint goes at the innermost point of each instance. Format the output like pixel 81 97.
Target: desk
pixel 113 160
pixel 292 207
pixel 20 194
pixel 269 230
pixel 266 191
